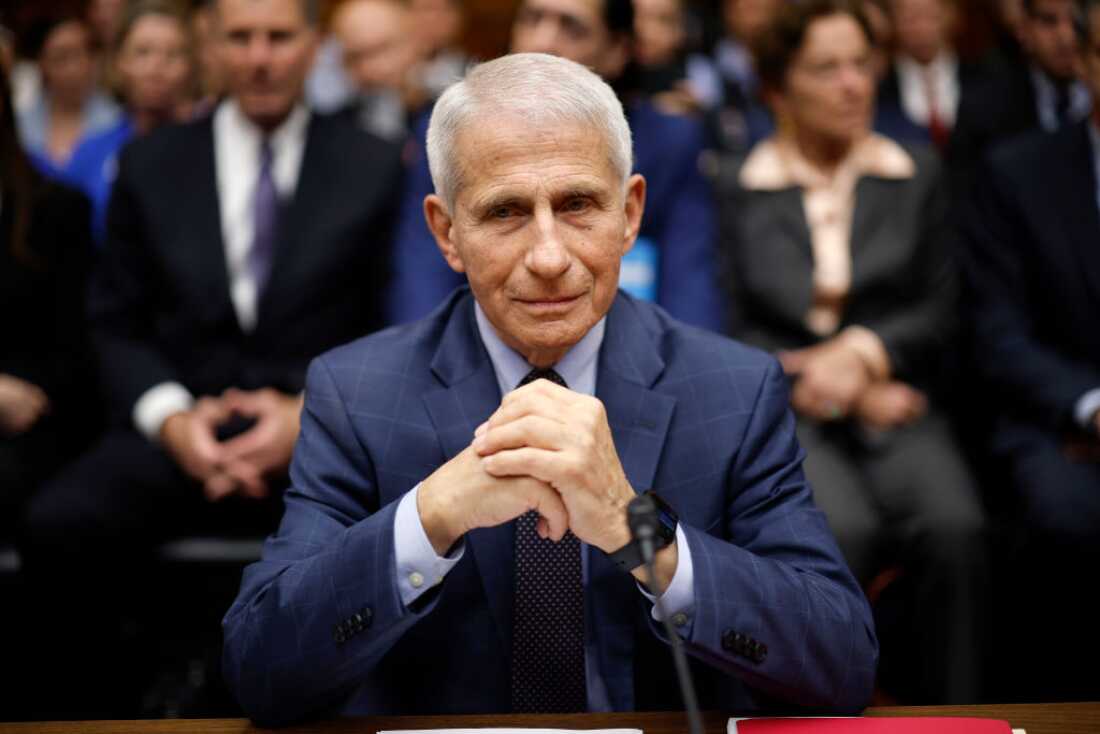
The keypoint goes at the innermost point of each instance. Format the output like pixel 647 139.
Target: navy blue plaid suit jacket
pixel 318 627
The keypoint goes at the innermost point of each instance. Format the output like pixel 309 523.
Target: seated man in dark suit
pixel 447 551
pixel 1033 266
pixel 1034 272
pixel 1038 92
pixel 673 261
pixel 239 247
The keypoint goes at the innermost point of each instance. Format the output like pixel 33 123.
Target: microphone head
pixel 641 516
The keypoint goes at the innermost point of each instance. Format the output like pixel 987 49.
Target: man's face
pixel 745 20
pixel 1048 34
pixel 829 92
pixel 1090 58
pixel 922 27
pixel 375 38
pixel 658 31
pixel 265 48
pixel 572 29
pixel 539 226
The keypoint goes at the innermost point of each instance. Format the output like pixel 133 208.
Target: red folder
pixel 884 725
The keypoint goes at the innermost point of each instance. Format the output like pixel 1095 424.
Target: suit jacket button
pixel 368 615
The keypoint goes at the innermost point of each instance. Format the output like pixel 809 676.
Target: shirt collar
pixel 577 367
pixel 1046 98
pixel 774 164
pixel 945 64
pixel 292 129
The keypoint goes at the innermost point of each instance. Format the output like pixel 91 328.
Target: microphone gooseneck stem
pixel 687 688
pixel 643 527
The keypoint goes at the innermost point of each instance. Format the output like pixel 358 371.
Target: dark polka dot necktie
pixel 548 614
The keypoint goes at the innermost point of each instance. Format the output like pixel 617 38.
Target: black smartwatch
pixel 629 557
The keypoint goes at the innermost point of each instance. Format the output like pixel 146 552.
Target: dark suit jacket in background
pixel 45 336
pixel 891 119
pixel 997 109
pixel 1033 268
pixel 701 419
pixel 161 306
pixel 903 280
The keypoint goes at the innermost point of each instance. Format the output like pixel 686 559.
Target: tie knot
pixel 540 373
pixel 266 153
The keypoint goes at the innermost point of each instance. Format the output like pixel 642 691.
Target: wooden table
pixel 1042 718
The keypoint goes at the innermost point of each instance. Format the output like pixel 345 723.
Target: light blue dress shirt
pixel 418 566
pixel 1046 99
pixel 1089 403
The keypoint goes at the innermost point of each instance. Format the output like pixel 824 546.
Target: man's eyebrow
pixel 580 191
pixel 494 200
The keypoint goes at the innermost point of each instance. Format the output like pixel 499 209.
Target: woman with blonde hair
pixel 153 71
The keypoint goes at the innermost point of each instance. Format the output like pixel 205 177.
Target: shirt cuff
pixel 419 567
pixel 156 404
pixel 679 598
pixel 1084 411
pixel 870 349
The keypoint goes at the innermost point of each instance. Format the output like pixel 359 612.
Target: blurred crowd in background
pixel 898 198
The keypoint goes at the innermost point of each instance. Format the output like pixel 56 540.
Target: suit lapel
pixel 468 397
pixel 639 418
pixel 205 222
pixel 1076 202
pixel 872 198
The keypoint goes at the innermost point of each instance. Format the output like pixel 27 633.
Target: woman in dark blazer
pixel 45 398
pixel 837 258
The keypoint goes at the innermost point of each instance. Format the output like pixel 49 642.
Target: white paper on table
pixel 512 731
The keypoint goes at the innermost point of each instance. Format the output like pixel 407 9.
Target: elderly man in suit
pixel 446 549
pixel 239 247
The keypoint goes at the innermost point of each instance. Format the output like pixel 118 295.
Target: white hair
pixel 537 88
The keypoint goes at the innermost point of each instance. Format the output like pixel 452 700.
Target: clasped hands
pixel 242 464
pixel 547 449
pixel 834 382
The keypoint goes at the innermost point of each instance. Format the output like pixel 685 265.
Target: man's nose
pixel 548 258
pixel 259 50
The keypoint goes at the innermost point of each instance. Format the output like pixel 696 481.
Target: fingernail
pixel 482 428
pixel 479 443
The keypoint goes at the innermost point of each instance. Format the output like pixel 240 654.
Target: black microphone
pixel 641 516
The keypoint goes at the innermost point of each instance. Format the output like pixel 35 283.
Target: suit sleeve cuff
pixel 419 567
pixel 679 598
pixel 156 404
pixel 1084 410
pixel 870 349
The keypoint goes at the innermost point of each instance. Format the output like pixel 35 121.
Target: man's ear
pixel 633 208
pixel 440 223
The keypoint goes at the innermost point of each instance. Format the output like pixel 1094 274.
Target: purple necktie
pixel 548 615
pixel 265 216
